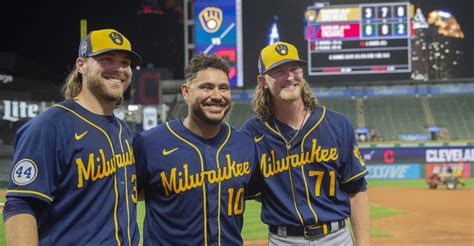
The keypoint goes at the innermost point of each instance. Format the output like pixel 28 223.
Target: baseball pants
pixel 338 238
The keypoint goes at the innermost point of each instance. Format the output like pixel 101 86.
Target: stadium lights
pixel 444 14
pixel 133 107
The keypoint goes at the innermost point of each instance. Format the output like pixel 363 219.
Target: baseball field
pixel 403 212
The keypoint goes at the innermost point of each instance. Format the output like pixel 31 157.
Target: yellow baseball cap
pixel 101 41
pixel 276 54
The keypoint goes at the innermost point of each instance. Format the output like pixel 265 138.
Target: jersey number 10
pixel 235 207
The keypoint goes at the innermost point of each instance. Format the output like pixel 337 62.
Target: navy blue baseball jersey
pixel 81 167
pixel 308 182
pixel 194 187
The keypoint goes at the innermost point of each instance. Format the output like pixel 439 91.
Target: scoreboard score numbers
pixel 358 39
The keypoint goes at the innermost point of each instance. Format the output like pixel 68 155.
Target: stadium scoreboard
pixel 358 39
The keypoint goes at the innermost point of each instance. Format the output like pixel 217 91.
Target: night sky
pixel 48 32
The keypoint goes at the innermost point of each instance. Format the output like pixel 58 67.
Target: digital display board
pixel 358 39
pixel 216 32
pixel 346 42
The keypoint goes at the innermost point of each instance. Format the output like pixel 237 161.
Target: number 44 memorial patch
pixel 24 172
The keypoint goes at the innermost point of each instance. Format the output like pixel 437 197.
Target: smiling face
pixel 208 96
pixel 285 82
pixel 106 76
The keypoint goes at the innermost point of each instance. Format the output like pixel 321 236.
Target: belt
pixel 310 231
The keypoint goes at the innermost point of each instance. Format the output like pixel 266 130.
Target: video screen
pixel 350 42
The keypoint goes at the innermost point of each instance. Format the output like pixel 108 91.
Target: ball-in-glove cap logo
pixel 282 49
pixel 116 38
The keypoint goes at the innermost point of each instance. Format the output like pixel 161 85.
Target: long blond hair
pixel 72 86
pixel 263 104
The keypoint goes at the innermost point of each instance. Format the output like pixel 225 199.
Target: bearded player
pixel 73 181
pixel 312 171
pixel 195 171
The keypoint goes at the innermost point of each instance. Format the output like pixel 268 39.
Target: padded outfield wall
pixel 415 161
pixel 384 160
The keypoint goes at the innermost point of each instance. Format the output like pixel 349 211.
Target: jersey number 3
pixel 134 184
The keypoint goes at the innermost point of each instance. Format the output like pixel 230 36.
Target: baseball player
pixel 309 160
pixel 195 171
pixel 73 181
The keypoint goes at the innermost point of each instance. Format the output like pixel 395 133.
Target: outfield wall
pixel 384 161
pixel 417 162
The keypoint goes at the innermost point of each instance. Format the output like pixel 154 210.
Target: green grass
pixel 378 212
pixel 3 240
pixel 140 217
pixel 374 232
pixel 254 229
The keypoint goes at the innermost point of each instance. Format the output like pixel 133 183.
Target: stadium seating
pixel 454 112
pixel 389 115
pixel 179 110
pixel 241 111
pixel 392 116
pixel 346 106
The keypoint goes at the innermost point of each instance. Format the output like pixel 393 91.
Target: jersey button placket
pixel 212 194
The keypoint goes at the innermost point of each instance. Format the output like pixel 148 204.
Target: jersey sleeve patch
pixel 358 155
pixel 24 172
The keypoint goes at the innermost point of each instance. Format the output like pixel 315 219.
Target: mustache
pixel 214 103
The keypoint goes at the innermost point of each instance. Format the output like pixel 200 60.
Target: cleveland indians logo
pixel 116 38
pixel 211 19
pixel 282 49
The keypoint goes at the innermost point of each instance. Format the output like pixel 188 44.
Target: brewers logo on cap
pixel 211 19
pixel 277 54
pixel 282 49
pixel 116 38
pixel 101 41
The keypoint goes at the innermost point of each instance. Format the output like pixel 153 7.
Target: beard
pixel 288 96
pixel 98 88
pixel 200 114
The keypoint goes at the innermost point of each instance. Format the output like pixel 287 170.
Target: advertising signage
pixel 422 155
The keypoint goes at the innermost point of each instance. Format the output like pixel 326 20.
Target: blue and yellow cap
pixel 100 41
pixel 276 54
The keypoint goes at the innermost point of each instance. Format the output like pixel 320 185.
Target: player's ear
pixel 261 80
pixel 80 65
pixel 185 91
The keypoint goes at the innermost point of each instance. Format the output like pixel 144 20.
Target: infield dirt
pixel 430 217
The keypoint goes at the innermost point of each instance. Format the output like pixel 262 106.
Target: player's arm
pixel 21 229
pixel 360 217
pixel 353 172
pixel 19 215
